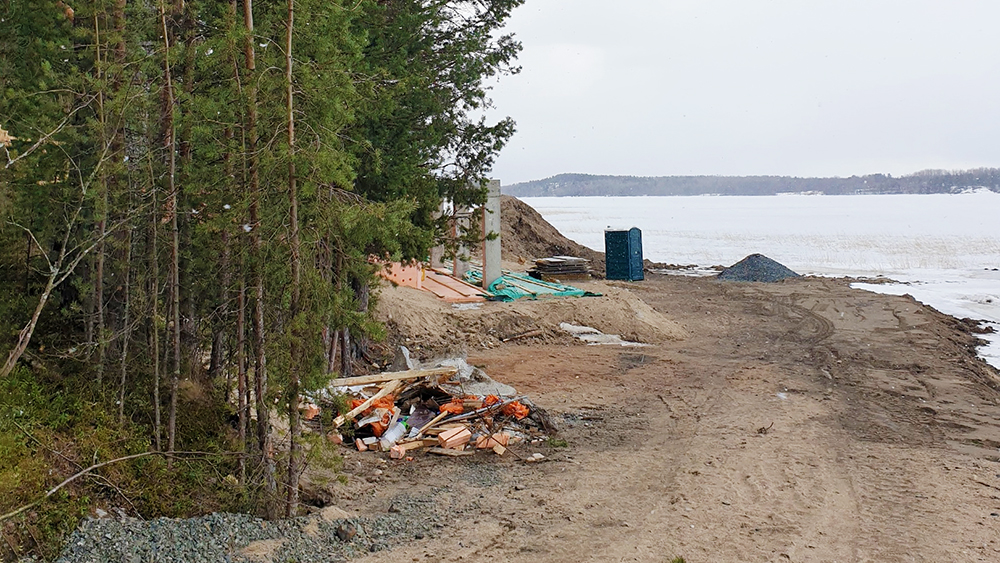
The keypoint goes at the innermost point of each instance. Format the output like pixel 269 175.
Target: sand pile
pixel 428 325
pixel 757 268
pixel 525 236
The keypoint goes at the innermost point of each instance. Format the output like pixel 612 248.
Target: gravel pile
pixel 318 538
pixel 757 268
pixel 226 537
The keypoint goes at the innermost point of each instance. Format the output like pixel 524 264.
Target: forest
pixel 923 182
pixel 194 197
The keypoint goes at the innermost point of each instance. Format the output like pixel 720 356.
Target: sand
pixel 795 421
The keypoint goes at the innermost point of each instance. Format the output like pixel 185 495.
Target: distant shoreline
pixel 926 182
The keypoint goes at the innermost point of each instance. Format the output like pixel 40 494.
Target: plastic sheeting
pixel 511 287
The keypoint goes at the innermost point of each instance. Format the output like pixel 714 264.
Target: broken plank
pixel 487 442
pixel 434 421
pixel 416 444
pixel 392 376
pixel 454 439
pixel 389 388
pixel 451 453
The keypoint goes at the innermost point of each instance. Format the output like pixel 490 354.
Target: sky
pixel 751 87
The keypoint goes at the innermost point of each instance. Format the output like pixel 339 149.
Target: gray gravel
pixel 221 537
pixel 422 512
pixel 757 268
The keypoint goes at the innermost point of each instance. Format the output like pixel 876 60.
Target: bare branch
pixel 34 240
pixel 96 466
pixel 45 138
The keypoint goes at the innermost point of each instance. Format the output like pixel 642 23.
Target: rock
pixel 333 513
pixel 346 532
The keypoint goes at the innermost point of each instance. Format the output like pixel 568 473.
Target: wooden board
pixel 392 376
pixel 451 453
pixel 389 388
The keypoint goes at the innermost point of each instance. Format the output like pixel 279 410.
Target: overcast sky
pixel 746 87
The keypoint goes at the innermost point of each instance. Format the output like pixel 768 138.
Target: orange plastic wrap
pixel 456 406
pixel 515 409
pixel 387 402
pixel 377 428
pixel 490 400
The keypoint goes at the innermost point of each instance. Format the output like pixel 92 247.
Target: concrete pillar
pixel 437 252
pixel 461 264
pixel 491 235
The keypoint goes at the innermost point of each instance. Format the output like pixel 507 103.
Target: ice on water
pixel 944 249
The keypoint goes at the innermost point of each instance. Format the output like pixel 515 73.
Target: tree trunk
pixel 102 213
pixel 126 328
pixel 217 362
pixel 59 271
pixel 24 337
pixel 154 330
pixel 294 422
pixel 27 262
pixel 346 368
pixel 169 146
pixel 260 364
pixel 332 340
pixel 190 343
pixel 362 292
pixel 241 376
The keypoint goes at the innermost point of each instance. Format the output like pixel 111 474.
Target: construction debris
pixel 561 268
pixel 512 286
pixel 594 337
pixel 440 282
pixel 450 409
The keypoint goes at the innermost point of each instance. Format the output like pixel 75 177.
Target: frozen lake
pixel 943 248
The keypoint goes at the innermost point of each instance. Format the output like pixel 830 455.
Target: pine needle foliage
pixel 152 278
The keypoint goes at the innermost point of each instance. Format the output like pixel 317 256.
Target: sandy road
pixel 881 441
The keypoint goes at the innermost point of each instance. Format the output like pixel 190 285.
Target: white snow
pixel 943 248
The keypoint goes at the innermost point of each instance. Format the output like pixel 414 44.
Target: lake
pixel 944 249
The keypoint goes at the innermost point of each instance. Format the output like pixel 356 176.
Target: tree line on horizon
pixel 923 182
pixel 193 191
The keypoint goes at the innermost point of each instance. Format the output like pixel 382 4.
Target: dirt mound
pixel 757 268
pixel 525 235
pixel 428 325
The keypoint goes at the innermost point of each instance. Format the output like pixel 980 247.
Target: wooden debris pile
pixel 559 268
pixel 451 410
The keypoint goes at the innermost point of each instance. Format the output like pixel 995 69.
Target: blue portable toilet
pixel 623 254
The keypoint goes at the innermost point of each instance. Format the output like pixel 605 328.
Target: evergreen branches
pixel 263 151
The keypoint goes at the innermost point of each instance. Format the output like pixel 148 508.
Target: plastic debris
pixel 451 412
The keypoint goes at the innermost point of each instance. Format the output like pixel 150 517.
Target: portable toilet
pixel 623 254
